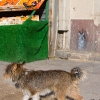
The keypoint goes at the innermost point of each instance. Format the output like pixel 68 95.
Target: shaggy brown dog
pixel 37 83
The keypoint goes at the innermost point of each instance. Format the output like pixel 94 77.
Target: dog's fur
pixel 37 83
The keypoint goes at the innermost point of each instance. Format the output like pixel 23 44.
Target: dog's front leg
pixel 26 97
pixel 36 97
pixel 26 94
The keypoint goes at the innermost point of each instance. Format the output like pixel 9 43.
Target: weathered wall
pixel 85 15
pixel 63 25
pixel 81 9
pixel 96 14
pixel 85 9
pixel 53 26
pixel 74 15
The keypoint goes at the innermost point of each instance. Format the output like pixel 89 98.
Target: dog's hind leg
pixel 75 96
pixel 59 94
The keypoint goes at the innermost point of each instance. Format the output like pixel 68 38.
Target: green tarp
pixel 27 42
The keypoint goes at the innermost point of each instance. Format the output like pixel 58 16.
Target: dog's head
pixel 13 71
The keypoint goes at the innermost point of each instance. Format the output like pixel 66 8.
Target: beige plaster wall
pixel 96 12
pixel 81 9
pixel 85 9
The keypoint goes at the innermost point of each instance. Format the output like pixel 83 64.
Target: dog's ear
pixel 15 66
pixel 23 63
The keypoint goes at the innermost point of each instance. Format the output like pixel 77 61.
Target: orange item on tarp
pixel 8 2
pixel 29 5
pixel 21 2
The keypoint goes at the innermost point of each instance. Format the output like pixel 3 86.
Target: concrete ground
pixel 89 88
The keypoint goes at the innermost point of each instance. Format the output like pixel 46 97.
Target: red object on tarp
pixel 33 5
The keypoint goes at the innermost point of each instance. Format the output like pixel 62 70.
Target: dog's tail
pixel 78 74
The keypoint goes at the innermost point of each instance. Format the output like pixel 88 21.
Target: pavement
pixel 89 88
